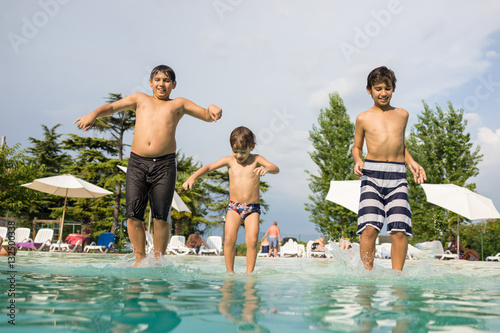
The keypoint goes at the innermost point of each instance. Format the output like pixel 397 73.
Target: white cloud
pixel 490 139
pixel 488 181
pixel 491 54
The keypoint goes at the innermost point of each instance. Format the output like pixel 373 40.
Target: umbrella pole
pixel 149 222
pixel 458 236
pixel 62 219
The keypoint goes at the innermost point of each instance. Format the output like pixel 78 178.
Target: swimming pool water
pixel 57 292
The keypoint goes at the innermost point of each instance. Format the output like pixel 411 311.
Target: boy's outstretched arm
pixel 418 171
pixel 86 122
pixel 265 167
pixel 212 113
pixel 189 183
pixel 357 148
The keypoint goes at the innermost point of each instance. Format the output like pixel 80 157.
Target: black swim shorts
pixel 150 179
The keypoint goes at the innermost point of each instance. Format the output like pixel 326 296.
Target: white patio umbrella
pixel 345 193
pixel 177 202
pixel 67 186
pixel 461 201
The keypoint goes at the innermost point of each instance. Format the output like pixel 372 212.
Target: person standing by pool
pixel 245 170
pixel 152 167
pixel 274 238
pixel 384 188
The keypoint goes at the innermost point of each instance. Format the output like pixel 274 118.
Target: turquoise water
pixel 101 293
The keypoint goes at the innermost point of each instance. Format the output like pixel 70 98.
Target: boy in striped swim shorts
pixel 384 188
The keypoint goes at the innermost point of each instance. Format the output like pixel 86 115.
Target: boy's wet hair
pixel 242 137
pixel 381 75
pixel 165 70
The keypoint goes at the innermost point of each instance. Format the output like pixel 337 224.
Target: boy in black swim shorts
pixel 152 163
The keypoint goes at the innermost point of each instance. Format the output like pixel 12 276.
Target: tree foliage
pixel 15 170
pixel 439 142
pixel 49 152
pixel 332 139
pixel 116 125
pixel 483 237
pixel 93 165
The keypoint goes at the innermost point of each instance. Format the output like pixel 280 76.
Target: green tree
pixel 15 170
pixel 49 154
pixel 332 140
pixel 49 151
pixel 93 165
pixel 483 237
pixel 439 142
pixel 116 125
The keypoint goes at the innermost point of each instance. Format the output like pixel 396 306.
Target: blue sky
pixel 269 64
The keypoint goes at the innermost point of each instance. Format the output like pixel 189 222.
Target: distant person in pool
pixel 470 254
pixel 274 238
pixel 195 241
pixel 152 166
pixel 384 189
pixel 6 249
pixel 245 171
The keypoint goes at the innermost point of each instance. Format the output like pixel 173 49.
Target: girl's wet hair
pixel 165 70
pixel 379 75
pixel 242 137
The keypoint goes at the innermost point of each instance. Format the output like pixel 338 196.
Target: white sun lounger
pixel 215 244
pixel 496 257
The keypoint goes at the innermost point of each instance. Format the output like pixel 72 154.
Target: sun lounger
pixel 3 232
pixel 177 246
pixel 22 235
pixel 42 240
pixel 290 249
pixel 435 249
pixel 215 244
pixel 310 253
pixel 60 246
pixel 105 243
pixel 149 242
pixel 496 257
